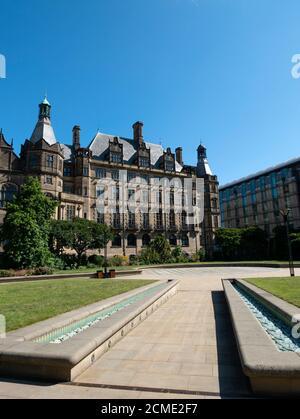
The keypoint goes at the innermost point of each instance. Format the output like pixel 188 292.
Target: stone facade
pixel 71 174
pixel 259 198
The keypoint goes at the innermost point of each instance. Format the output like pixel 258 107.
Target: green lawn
pixel 286 288
pixel 26 303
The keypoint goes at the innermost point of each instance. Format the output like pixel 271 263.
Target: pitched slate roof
pixel 100 145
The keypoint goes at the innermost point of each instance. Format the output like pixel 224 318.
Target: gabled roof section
pixel 100 145
pixel 67 151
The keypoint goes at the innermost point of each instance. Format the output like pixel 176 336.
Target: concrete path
pixel 184 350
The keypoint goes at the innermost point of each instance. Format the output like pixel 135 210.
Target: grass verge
pixel 26 303
pixel 287 289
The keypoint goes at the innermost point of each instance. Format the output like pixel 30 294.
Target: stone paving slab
pixel 187 345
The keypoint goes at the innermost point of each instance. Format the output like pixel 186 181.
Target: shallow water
pixel 280 333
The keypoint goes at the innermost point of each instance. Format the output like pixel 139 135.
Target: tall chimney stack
pixel 76 137
pixel 179 158
pixel 138 132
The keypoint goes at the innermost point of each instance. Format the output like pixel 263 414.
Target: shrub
pixel 96 260
pixel 69 261
pixel 42 271
pixel 6 274
pixel 201 255
pixel 134 260
pixel 194 257
pixel 59 263
pixel 178 256
pixel 161 247
pixel 126 260
pixel 118 261
pixel 83 261
pixel 149 256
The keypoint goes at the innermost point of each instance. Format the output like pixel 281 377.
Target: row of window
pixel 146 239
pixel 260 184
pixel 170 198
pixel 101 173
pixel 145 220
pixel 35 160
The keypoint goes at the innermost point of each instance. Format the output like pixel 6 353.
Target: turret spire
pixel 43 129
pixel 45 109
pixel 203 165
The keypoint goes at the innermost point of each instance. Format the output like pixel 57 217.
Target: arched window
pixel 117 241
pixel 131 240
pixel 146 240
pixel 173 240
pixel 7 193
pixel 185 241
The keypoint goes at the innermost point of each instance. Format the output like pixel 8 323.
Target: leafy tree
pixel 279 243
pixel 60 236
pixel 102 235
pixel 245 243
pixel 295 242
pixel 254 243
pixel 26 227
pixel 79 235
pixel 229 240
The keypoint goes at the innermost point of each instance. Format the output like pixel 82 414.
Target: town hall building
pixel 71 173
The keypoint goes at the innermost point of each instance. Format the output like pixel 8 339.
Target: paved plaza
pixel 186 349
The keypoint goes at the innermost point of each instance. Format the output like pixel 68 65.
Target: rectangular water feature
pixel 83 335
pixel 280 333
pixel 67 332
pixel 262 325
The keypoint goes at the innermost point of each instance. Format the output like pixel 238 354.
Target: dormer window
pixel 116 158
pixel 144 162
pixel 169 166
pixel 169 161
pixel 115 151
pixel 143 156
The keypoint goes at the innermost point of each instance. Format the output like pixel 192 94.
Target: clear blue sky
pixel 216 70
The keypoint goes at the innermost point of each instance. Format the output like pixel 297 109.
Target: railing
pixel 117 225
pixel 132 226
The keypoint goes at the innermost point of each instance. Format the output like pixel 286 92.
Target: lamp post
pixel 285 214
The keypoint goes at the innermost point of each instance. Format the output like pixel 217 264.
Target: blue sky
pixel 212 70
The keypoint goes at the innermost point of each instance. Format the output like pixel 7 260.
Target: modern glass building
pixel 258 199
